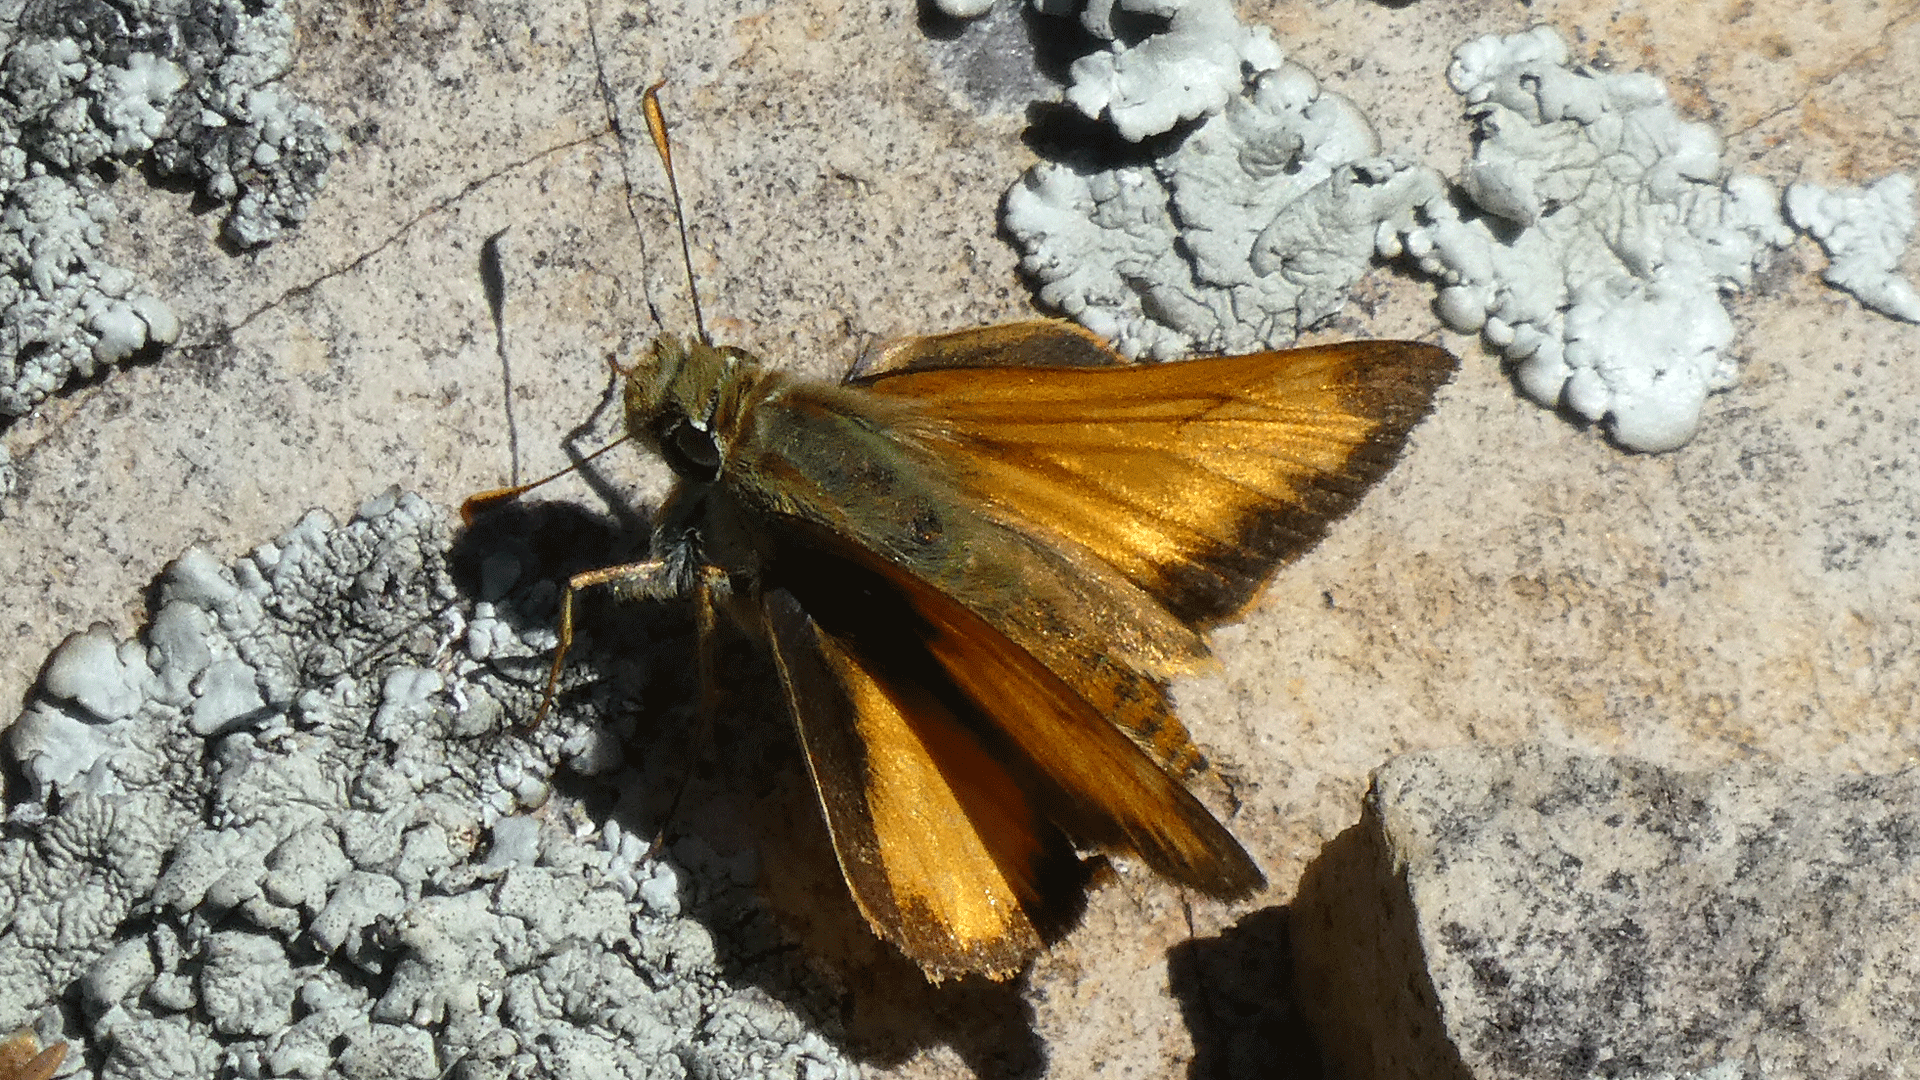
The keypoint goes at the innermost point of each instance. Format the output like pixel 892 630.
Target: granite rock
pixel 1534 912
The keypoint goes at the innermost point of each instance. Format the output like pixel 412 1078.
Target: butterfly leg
pixel 711 585
pixel 654 579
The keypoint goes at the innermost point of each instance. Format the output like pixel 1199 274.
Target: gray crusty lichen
pixel 1604 235
pixel 1591 240
pixel 191 89
pixel 291 831
pixel 1252 228
pixel 1865 232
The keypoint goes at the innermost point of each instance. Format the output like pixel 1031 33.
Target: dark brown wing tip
pixel 1239 879
pixel 1394 383
pixel 940 957
pixel 994 966
pixel 1228 872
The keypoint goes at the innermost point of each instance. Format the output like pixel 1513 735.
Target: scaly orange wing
pixel 1193 479
pixel 911 659
pixel 946 856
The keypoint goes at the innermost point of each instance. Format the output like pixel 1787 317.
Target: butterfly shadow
pixel 1332 985
pixel 730 799
pixel 1236 992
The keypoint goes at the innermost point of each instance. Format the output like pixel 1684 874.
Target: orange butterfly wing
pixel 945 855
pixel 991 572
pixel 1194 479
pixel 948 760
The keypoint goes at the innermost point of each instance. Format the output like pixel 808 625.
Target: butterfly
pixel 22 1058
pixel 979 562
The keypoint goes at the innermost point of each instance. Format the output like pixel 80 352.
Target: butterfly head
pixel 678 398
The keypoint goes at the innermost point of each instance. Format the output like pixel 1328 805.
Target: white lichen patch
pixel 293 831
pixel 1192 67
pixel 1254 228
pixel 190 90
pixel 1607 232
pixel 1592 239
pixel 1865 232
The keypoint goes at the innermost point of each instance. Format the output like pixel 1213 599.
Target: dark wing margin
pixel 1034 343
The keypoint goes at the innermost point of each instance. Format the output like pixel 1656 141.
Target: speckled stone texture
pixel 1532 912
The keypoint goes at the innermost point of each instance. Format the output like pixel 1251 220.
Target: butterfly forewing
pixel 1194 480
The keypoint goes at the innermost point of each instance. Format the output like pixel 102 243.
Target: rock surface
pixel 1532 912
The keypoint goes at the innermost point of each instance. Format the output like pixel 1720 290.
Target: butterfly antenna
pixel 657 127
pixel 486 500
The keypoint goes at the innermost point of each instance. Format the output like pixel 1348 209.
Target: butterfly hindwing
pixel 1072 764
pixel 946 856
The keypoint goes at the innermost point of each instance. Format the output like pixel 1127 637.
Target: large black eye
pixel 688 450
